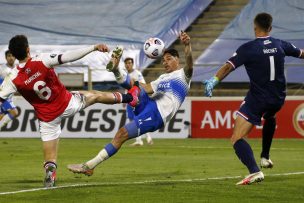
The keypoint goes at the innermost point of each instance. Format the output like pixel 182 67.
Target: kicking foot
pixel 252 178
pixel 266 163
pixel 112 66
pixel 81 168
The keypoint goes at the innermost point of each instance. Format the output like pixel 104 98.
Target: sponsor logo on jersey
pixel 27 71
pixel 270 51
pixel 53 55
pixel 298 119
pixel 33 77
pixel 164 85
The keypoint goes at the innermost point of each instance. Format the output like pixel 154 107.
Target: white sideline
pixel 142 182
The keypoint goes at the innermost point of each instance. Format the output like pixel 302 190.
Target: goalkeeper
pixel 263 59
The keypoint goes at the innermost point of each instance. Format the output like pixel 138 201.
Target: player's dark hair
pixel 172 52
pixel 18 46
pixel 7 52
pixel 128 58
pixel 263 21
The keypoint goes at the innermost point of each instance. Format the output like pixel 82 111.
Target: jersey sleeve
pixel 7 88
pixel 238 58
pixel 4 72
pixel 291 50
pixel 50 60
pixel 155 83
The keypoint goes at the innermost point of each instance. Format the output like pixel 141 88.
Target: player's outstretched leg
pixel 50 174
pixel 109 150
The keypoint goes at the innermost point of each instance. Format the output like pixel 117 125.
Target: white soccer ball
pixel 154 47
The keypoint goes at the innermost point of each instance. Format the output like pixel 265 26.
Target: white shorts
pixel 51 130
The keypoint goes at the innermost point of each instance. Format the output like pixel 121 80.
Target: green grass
pixel 168 162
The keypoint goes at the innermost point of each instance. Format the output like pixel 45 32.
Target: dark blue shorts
pixel 254 108
pixel 7 105
pixel 130 113
pixel 147 116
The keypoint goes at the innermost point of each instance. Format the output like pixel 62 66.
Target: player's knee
pixel 132 129
pixel 234 138
pixel 121 136
pixel 14 113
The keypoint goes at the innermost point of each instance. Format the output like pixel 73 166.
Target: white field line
pixel 142 182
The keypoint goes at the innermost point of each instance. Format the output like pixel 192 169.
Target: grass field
pixel 191 170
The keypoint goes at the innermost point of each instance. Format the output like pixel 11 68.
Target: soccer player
pixel 8 110
pixel 169 92
pixel 263 59
pixel 135 75
pixel 35 79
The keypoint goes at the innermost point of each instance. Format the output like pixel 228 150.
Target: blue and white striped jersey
pixel 170 90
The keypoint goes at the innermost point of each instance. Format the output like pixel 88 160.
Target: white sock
pixel 5 120
pixel 101 156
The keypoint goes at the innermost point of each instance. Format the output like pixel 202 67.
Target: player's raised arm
pixel 70 56
pixel 184 37
pixel 147 87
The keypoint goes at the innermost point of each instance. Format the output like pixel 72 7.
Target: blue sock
pixel 268 132
pixel 245 154
pixel 111 150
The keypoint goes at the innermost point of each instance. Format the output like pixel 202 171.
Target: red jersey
pixel 40 86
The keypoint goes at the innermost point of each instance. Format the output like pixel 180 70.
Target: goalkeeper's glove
pixel 209 85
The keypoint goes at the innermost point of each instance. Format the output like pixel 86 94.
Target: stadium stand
pixel 94 23
pixel 212 47
pixel 212 24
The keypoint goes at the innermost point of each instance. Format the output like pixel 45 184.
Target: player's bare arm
pixel 184 37
pixel 147 87
pixel 225 70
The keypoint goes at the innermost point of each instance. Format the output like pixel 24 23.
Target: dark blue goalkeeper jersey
pixel 264 60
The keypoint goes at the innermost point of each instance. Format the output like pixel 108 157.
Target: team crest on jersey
pixel 298 119
pixel 53 55
pixel 234 54
pixel 27 71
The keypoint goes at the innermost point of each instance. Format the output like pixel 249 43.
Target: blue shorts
pixel 130 113
pixel 147 116
pixel 7 105
pixel 253 109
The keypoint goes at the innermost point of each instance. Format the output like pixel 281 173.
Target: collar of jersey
pixel 263 37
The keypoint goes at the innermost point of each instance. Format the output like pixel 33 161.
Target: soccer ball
pixel 154 47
